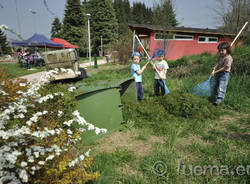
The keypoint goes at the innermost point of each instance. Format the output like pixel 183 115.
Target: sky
pixel 18 16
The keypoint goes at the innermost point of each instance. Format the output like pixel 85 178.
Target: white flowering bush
pixel 38 133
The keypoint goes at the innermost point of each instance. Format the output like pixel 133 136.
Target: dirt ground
pixel 127 139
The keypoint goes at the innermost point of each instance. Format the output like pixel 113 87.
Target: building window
pixel 202 39
pixel 163 36
pixel 183 37
pixel 205 39
pixel 213 39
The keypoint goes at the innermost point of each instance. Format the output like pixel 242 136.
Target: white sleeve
pixel 166 65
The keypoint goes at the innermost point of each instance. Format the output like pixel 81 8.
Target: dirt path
pixel 36 76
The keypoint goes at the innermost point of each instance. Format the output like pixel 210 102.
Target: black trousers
pixel 139 91
pixel 158 85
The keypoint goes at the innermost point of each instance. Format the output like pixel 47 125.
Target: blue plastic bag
pixel 203 89
pixel 165 87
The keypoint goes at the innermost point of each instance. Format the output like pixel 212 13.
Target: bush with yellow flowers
pixel 38 130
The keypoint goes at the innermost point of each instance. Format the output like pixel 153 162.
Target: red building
pixel 180 41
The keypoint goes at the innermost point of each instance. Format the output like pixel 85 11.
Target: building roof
pixel 64 42
pixel 144 29
pixel 38 40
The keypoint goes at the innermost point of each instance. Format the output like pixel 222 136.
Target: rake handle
pixel 150 59
pixel 239 33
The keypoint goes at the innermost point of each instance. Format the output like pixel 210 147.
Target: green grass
pixel 14 70
pixel 194 133
pixel 144 133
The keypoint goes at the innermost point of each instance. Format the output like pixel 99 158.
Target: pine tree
pixel 123 14
pixel 141 14
pixel 138 12
pixel 73 22
pixel 103 23
pixel 163 14
pixel 56 28
pixel 4 48
pixel 128 10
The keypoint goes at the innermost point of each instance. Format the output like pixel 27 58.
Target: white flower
pixel 19 116
pixel 29 123
pixel 82 157
pixel 13 156
pixel 87 153
pixel 34 118
pixel 3 83
pixel 24 164
pixel 23 175
pixel 69 132
pixel 72 88
pixel 91 127
pixel 68 123
pixel 31 159
pixel 36 154
pixel 3 93
pixel 104 130
pixel 82 129
pixel 41 162
pixel 97 131
pixel 50 157
pixel 76 113
pixel 3 27
pixel 28 151
pixel 19 92
pixel 22 84
pixel 52 132
pixel 60 113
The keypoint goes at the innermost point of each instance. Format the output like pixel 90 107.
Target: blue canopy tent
pixel 38 40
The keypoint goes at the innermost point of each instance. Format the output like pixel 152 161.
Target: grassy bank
pixel 180 138
pixel 14 70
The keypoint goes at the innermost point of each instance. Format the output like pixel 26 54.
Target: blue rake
pixel 150 59
pixel 203 89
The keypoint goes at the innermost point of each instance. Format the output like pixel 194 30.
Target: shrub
pixel 163 114
pixel 183 71
pixel 186 105
pixel 241 61
pixel 123 48
pixel 37 136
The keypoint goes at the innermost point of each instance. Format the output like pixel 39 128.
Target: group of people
pixel 28 59
pixel 220 72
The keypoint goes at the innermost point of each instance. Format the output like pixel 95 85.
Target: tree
pixel 83 42
pixel 233 14
pixel 56 28
pixel 103 23
pixel 123 46
pixel 4 48
pixel 73 23
pixel 141 14
pixel 163 14
pixel 123 15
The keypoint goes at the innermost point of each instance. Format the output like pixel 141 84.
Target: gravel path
pixel 36 76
